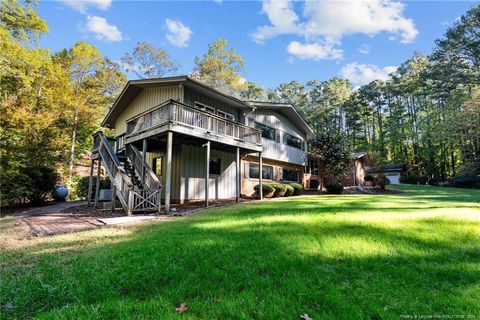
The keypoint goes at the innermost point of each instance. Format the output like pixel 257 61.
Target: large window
pixel 225 115
pixel 254 170
pixel 215 166
pixel 267 132
pixel 204 107
pixel 289 175
pixel 292 141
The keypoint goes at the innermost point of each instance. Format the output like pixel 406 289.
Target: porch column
pixel 90 183
pixel 260 174
pixel 237 175
pixel 168 173
pixel 97 184
pixel 207 172
pixel 114 194
pixel 144 152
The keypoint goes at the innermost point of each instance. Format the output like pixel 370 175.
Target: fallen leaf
pixel 305 317
pixel 182 308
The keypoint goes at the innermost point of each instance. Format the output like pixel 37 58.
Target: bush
pixel 280 189
pixel 434 181
pixel 369 177
pixel 466 181
pixel 334 187
pixel 27 185
pixel 267 189
pixel 414 179
pixel 81 190
pixel 443 184
pixel 382 182
pixel 290 190
pixel 297 187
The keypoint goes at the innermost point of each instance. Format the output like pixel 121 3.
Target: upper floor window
pixel 292 141
pixel 204 107
pixel 225 115
pixel 267 132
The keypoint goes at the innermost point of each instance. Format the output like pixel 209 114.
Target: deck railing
pixel 178 112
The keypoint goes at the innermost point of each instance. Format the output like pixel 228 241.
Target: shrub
pixel 443 184
pixel 434 181
pixel 466 181
pixel 81 190
pixel 280 189
pixel 382 182
pixel 267 189
pixel 414 179
pixel 369 177
pixel 334 187
pixel 297 187
pixel 290 190
pixel 27 185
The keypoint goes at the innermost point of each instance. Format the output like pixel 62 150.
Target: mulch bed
pixel 370 190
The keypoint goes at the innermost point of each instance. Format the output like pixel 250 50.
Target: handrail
pixel 182 113
pixel 142 167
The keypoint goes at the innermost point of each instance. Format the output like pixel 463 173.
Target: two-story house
pixel 179 140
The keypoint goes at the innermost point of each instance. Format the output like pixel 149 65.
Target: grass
pixel 332 257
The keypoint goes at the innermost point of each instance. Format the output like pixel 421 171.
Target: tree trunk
pixel 72 144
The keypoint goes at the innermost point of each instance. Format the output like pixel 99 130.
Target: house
pixel 392 171
pixel 179 140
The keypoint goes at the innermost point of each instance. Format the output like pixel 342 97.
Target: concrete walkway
pixel 50 220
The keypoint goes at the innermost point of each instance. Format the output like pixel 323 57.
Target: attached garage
pixel 392 171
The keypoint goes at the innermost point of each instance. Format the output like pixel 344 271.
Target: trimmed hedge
pixel 297 187
pixel 267 190
pixel 334 187
pixel 466 181
pixel 290 190
pixel 280 189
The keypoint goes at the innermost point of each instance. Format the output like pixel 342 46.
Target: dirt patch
pixel 92 212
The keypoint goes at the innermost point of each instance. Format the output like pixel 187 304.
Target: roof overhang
pixel 289 111
pixel 134 87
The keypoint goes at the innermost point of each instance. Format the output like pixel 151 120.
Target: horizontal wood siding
pixel 190 96
pixel 146 99
pixel 278 150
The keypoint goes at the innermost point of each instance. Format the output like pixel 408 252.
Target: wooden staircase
pixel 136 185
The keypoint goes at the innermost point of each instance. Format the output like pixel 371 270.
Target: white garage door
pixel 394 178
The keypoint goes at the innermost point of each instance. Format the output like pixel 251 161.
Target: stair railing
pixel 114 169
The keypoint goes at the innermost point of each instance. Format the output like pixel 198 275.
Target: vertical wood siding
pixel 190 96
pixel 146 99
pixel 278 150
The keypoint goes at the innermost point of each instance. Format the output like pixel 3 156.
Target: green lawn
pixel 332 257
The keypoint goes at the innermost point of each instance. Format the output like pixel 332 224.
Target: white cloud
pixel 102 29
pixel 364 49
pixel 330 21
pixel 314 51
pixel 360 74
pixel 178 34
pixel 83 5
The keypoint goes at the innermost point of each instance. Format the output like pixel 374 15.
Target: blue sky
pixel 279 40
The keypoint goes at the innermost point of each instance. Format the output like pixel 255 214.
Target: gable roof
pixel 134 87
pixel 288 110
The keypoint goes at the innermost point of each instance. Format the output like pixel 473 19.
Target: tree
pixel 147 62
pixel 333 148
pixel 252 92
pixel 22 22
pixel 220 68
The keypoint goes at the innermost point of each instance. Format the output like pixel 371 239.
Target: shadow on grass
pixel 268 269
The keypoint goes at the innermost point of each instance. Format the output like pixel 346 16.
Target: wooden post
pixel 114 194
pixel 168 173
pixel 260 175
pixel 207 172
pixel 237 175
pixel 90 183
pixel 97 184
pixel 144 152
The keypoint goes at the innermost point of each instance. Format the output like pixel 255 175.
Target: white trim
pixel 204 107
pixel 226 115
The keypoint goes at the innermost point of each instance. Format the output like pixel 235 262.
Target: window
pixel 289 175
pixel 313 167
pixel 254 170
pixel 225 115
pixel 267 132
pixel 204 107
pixel 214 166
pixel 157 166
pixel 292 141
